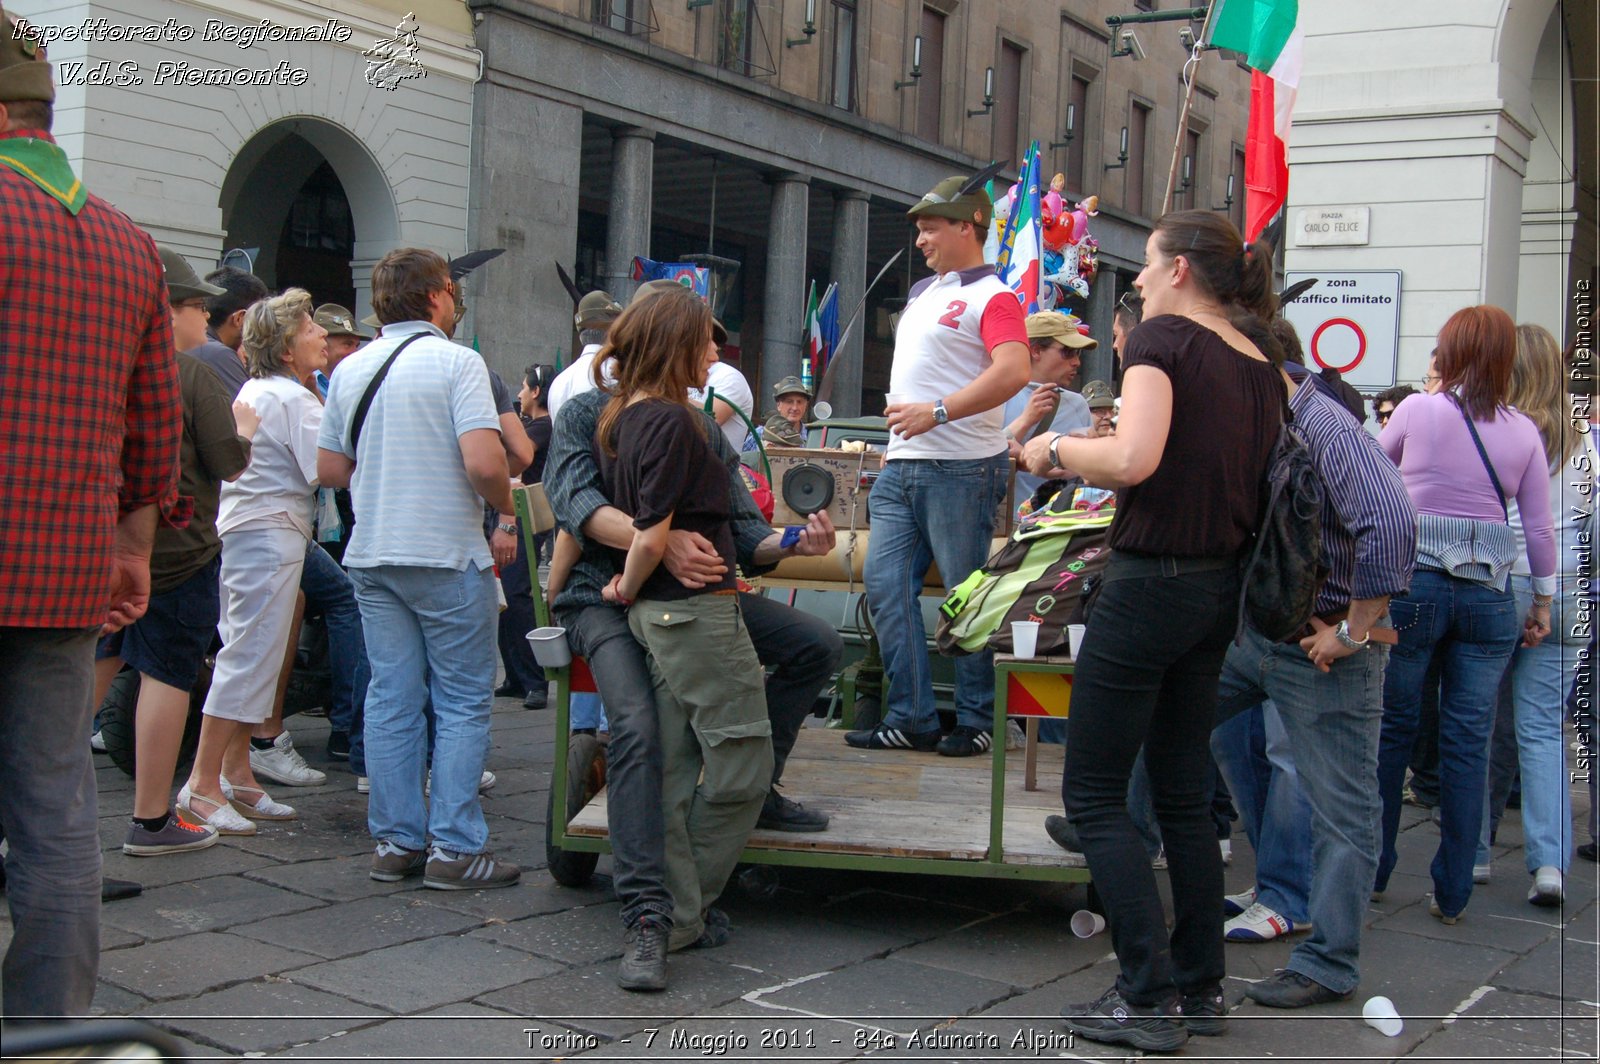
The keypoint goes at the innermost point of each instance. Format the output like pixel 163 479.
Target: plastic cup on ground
pixel 550 647
pixel 1086 924
pixel 1024 638
pixel 1380 1016
pixel 1075 639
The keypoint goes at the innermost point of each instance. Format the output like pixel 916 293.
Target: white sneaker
pixel 1480 873
pixel 1547 890
pixel 97 742
pixel 1226 846
pixel 363 785
pixel 1159 861
pixel 1260 924
pixel 1234 904
pixel 283 764
pixel 1016 738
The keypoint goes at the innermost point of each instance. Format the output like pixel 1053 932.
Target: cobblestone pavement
pixel 280 945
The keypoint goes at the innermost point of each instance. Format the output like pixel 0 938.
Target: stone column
pixel 850 273
pixel 1102 307
pixel 628 221
pixel 361 279
pixel 786 281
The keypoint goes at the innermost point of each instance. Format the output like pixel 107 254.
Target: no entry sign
pixel 1350 322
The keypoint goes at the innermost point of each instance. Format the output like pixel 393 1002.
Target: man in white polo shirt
pixel 960 352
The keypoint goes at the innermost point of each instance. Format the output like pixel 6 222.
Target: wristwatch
pixel 1343 632
pixel 941 416
pixel 509 530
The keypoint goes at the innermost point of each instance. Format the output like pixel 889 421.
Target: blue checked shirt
pixel 572 480
pixel 1369 527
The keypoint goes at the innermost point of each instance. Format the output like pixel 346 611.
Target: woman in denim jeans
pixel 1462 452
pixel 1202 406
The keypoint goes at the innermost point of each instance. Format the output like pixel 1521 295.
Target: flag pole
pixel 1191 69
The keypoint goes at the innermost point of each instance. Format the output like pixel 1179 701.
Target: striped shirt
pixel 1369 528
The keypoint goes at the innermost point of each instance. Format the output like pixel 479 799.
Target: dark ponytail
pixel 1237 274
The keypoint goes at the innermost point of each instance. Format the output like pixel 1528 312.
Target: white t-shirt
pixel 1072 412
pixel 733 389
pixel 943 342
pixel 574 380
pixel 280 483
pixel 414 503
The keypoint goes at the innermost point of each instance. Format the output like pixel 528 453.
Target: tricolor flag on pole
pixel 1266 33
pixel 828 327
pixel 813 339
pixel 1017 262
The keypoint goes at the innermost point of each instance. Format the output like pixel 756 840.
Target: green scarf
pixel 45 165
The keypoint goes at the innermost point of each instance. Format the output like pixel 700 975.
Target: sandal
pixel 222 815
pixel 263 809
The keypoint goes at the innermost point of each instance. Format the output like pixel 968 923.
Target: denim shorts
pixel 170 641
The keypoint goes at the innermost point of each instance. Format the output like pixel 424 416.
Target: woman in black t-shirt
pixel 657 464
pixel 1201 409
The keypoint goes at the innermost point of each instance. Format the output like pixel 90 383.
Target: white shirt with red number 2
pixel 941 346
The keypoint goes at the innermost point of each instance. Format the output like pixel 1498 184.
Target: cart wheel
pixel 757 881
pixel 586 774
pixel 116 718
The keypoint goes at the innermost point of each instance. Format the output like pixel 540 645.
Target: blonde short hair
pixel 269 328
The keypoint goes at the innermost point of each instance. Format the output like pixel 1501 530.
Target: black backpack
pixel 1285 569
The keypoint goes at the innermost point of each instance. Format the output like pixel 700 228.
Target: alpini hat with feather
pixel 24 73
pixel 960 199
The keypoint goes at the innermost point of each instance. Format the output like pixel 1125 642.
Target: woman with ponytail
pixel 1201 410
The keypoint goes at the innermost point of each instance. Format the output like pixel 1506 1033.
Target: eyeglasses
pixel 190 304
pixel 1429 380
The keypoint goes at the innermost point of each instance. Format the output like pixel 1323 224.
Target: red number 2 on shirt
pixel 952 314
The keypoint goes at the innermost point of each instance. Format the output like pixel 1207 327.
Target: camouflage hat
pixel 1098 395
pixel 596 308
pixel 24 73
pixel 790 385
pixel 719 332
pixel 338 321
pixel 1054 325
pixel 942 202
pixel 182 281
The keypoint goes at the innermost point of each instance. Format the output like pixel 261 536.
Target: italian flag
pixel 1017 263
pixel 1266 33
pixel 809 367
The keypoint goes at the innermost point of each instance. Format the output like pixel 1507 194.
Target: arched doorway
pixel 312 207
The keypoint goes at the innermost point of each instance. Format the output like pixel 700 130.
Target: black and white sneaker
pixel 965 741
pixel 1111 1019
pixel 884 737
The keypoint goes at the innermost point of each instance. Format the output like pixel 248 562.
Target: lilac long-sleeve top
pixel 1428 439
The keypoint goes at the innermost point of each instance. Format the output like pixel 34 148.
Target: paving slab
pixel 576 936
pixel 340 828
pixel 1024 949
pixel 347 928
pixel 194 964
pixel 341 878
pixel 536 894
pixel 917 917
pixel 201 905
pixel 1547 1025
pixel 1562 968
pixel 1486 921
pixel 900 995
pixel 423 975
pixel 261 1015
pixel 783 944
pixel 222 859
pixel 112 1000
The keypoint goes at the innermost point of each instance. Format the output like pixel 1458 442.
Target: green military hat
pixel 1098 395
pixel 182 281
pixel 719 332
pixel 790 385
pixel 338 321
pixel 596 309
pixel 953 199
pixel 24 74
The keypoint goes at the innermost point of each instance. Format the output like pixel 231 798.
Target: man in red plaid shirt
pixel 89 428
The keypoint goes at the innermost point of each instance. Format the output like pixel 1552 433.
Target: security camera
pixel 1130 42
pixel 1186 38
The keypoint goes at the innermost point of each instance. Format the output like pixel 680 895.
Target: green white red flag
pixel 1267 34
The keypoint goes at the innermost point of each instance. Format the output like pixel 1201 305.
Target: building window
pixel 620 15
pixel 1236 175
pixel 844 54
pixel 1191 197
pixel 1145 5
pixel 1007 99
pixel 1138 127
pixel 736 25
pixel 930 88
pixel 1078 100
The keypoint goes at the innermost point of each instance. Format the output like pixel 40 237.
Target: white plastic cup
pixel 895 398
pixel 1086 924
pixel 1380 1016
pixel 1075 639
pixel 1024 638
pixel 550 648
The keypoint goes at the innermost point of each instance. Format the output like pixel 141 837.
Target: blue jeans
pixel 1471 629
pixel 1331 721
pixel 328 591
pixel 1252 752
pixel 431 633
pixel 926 511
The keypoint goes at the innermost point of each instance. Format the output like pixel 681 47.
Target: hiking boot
pixel 175 837
pixel 391 862
pixel 1205 1013
pixel 644 960
pixel 884 737
pixel 780 814
pixel 1111 1019
pixel 448 870
pixel 282 763
pixel 1286 989
pixel 965 741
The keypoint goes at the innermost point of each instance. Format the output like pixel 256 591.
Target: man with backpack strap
pixel 1326 683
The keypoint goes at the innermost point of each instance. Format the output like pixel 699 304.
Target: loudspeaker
pixel 808 488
